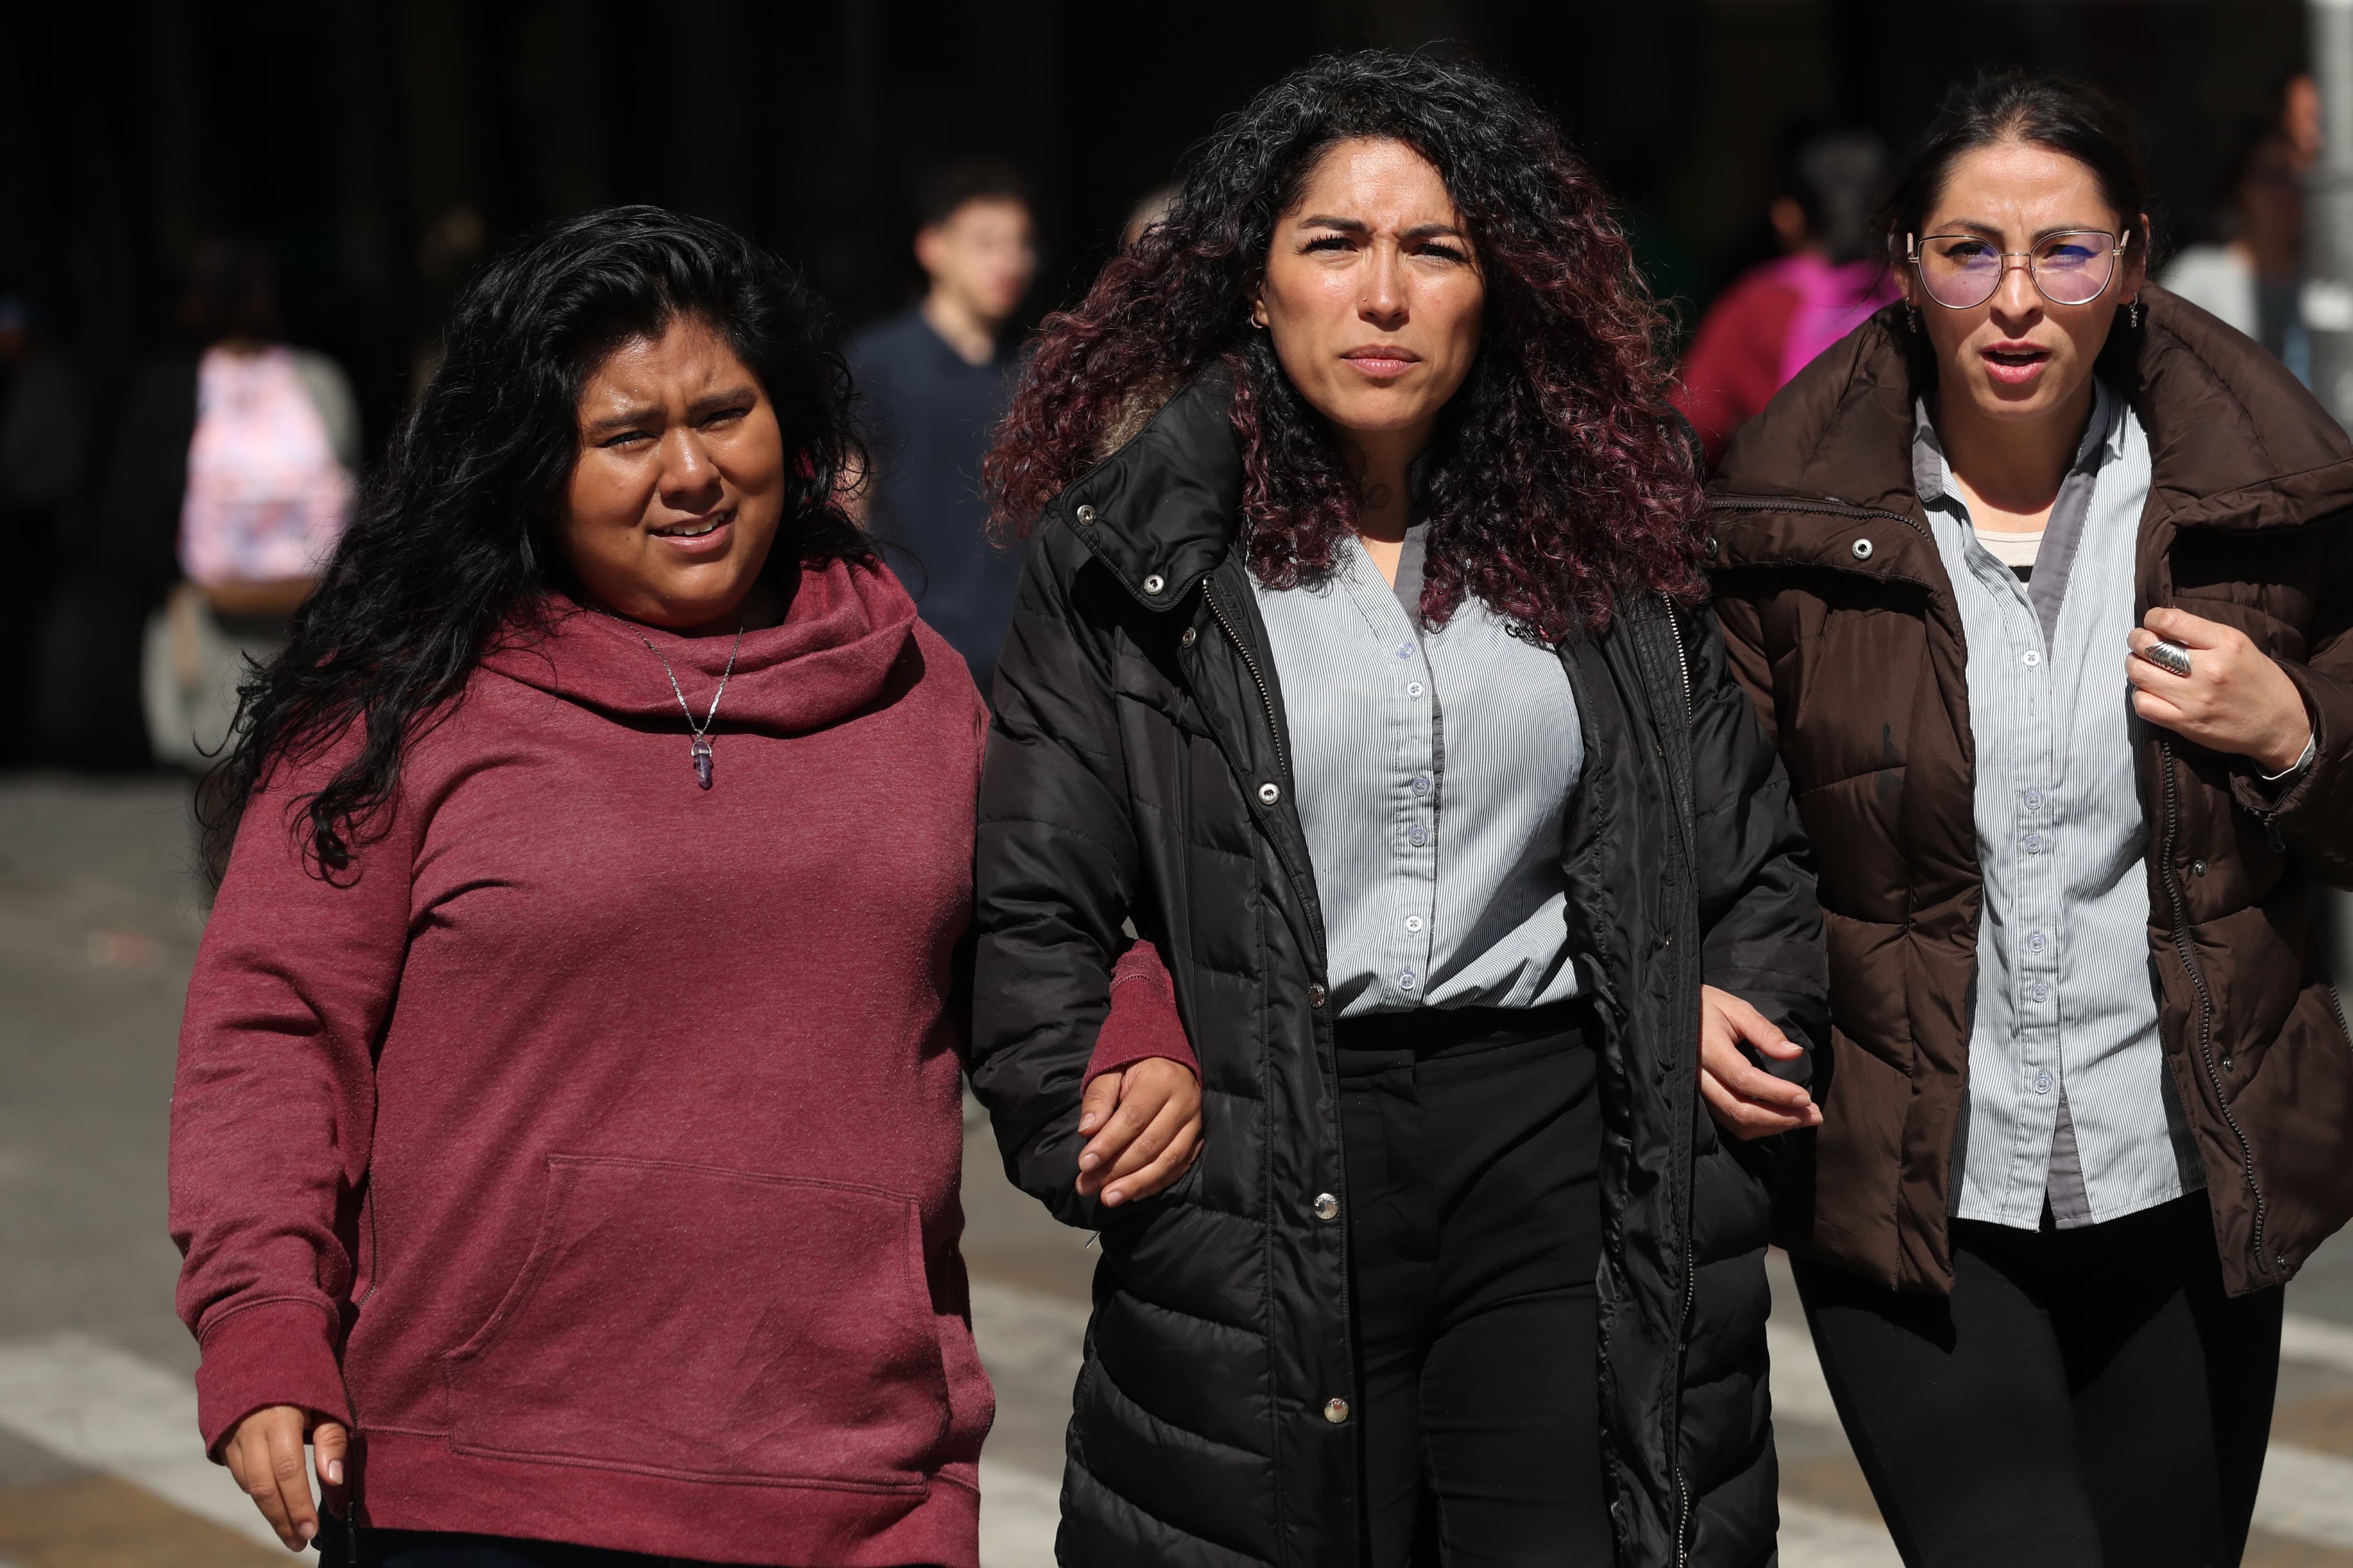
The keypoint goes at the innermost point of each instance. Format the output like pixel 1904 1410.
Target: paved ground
pixel 98 1460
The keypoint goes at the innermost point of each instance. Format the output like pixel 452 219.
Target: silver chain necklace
pixel 700 752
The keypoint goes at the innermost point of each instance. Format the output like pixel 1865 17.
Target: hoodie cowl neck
pixel 848 626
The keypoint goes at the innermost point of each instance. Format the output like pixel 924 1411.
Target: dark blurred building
pixel 379 147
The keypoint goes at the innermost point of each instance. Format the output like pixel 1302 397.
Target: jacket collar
pixel 1162 512
pixel 2235 441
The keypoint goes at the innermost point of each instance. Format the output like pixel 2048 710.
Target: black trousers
pixel 2084 1397
pixel 438 1549
pixel 1471 1141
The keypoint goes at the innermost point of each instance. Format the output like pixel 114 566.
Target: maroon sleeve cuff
pixel 280 1352
pixel 1144 1021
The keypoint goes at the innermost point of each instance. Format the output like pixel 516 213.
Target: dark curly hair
pixel 455 543
pixel 1558 479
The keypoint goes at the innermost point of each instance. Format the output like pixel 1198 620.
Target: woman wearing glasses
pixel 2042 581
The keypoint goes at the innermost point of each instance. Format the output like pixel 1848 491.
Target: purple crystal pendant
pixel 703 760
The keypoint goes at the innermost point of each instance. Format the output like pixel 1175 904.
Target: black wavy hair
pixel 2056 113
pixel 1558 479
pixel 454 539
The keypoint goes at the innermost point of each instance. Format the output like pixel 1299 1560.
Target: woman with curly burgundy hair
pixel 1351 667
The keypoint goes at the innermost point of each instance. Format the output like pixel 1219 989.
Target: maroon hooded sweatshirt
pixel 591 1144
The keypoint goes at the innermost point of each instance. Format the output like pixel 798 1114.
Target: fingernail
pixel 335 1471
pixel 307 1530
pixel 1087 1122
pixel 1113 1197
pixel 1088 1161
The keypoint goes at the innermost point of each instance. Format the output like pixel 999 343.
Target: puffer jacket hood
pixel 847 627
pixel 1843 627
pixel 1139 771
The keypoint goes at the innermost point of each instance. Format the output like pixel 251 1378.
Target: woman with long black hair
pixel 567 1127
pixel 1353 665
pixel 2043 581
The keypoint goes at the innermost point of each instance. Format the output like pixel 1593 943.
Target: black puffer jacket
pixel 1138 771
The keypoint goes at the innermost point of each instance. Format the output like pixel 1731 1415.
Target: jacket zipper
pixel 2187 953
pixel 1691 1279
pixel 1250 661
pixel 1682 660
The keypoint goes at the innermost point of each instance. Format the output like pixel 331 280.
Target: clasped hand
pixel 1745 1101
pixel 1146 1121
pixel 2235 698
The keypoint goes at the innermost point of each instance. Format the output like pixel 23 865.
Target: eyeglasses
pixel 1960 271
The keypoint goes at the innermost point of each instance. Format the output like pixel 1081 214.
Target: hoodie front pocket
pixel 712 1325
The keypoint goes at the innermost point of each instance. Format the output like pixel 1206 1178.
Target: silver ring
pixel 2167 655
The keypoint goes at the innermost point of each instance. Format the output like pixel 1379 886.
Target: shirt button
pixel 1405 981
pixel 1413 688
pixel 1316 995
pixel 1421 786
pixel 2040 990
pixel 1404 651
pixel 2034 843
pixel 2036 942
pixel 1326 1206
pixel 1336 1411
pixel 2034 800
pixel 1413 922
pixel 1420 836
pixel 2032 658
pixel 2043 1083
pixel 1269 793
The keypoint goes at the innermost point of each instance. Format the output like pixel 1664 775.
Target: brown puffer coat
pixel 1853 656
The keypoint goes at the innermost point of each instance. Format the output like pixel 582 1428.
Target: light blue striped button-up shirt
pixel 1432 770
pixel 2068 1097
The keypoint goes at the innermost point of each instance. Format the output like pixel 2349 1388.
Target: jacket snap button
pixel 1186 640
pixel 2197 867
pixel 1154 584
pixel 1316 995
pixel 1268 794
pixel 1862 550
pixel 1711 547
pixel 1326 1206
pixel 1086 515
pixel 1336 1411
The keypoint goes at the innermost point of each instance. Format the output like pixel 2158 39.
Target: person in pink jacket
pixel 567 1126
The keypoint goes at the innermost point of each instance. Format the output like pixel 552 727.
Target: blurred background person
pixel 2250 272
pixel 934 379
pixel 1775 318
pixel 47 429
pixel 266 474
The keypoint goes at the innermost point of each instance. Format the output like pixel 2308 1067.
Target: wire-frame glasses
pixel 1960 271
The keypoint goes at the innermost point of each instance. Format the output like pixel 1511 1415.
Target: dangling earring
pixel 1912 316
pixel 2133 311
